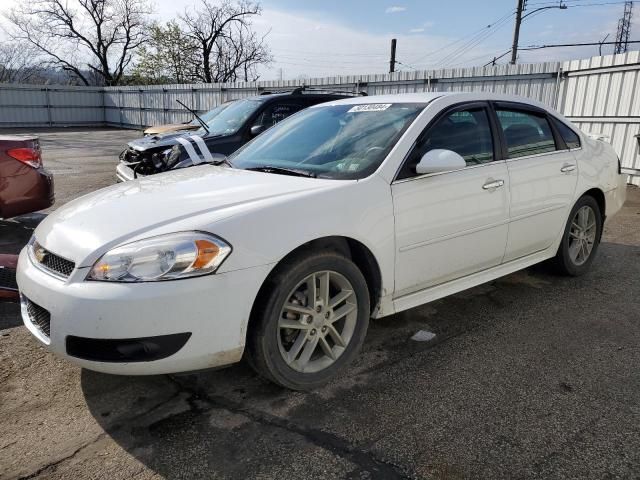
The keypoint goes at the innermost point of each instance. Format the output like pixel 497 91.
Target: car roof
pixel 428 97
pixel 265 97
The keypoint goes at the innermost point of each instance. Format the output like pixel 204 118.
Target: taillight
pixel 30 156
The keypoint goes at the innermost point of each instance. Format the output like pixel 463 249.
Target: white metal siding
pixel 600 94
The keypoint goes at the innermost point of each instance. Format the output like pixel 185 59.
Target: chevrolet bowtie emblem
pixel 40 254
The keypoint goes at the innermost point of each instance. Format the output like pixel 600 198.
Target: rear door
pixel 451 224
pixel 542 173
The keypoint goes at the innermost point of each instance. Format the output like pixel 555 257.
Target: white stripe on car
pixel 195 158
pixel 203 147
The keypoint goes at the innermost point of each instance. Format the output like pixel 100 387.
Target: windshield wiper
pixel 283 171
pixel 222 161
pixel 195 114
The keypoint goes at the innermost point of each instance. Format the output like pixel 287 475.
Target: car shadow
pixel 230 423
pixel 14 235
pixel 16 232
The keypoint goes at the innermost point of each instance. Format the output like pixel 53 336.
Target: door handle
pixel 568 167
pixel 493 184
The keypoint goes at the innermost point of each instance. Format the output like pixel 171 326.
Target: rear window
pixel 570 137
pixel 526 133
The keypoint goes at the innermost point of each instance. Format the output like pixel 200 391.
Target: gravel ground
pixel 530 376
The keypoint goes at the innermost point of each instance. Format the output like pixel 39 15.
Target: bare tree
pixel 99 36
pixel 17 63
pixel 239 53
pixel 226 44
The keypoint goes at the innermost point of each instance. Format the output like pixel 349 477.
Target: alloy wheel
pixel 582 235
pixel 317 321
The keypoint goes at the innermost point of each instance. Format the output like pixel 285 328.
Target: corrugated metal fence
pixel 601 95
pixel 50 105
pixel 137 106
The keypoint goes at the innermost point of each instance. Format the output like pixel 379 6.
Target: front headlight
pixel 166 257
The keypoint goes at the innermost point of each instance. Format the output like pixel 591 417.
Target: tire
pixel 571 260
pixel 281 354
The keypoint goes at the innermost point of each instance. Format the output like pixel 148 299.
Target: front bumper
pixel 214 309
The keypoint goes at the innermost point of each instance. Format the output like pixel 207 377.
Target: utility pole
pixel 516 31
pixel 522 5
pixel 392 62
pixel 624 29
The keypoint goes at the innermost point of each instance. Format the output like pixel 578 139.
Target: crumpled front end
pixel 148 162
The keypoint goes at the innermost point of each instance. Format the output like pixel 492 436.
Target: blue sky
pixel 351 37
pixel 332 37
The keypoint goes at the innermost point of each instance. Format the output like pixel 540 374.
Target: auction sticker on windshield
pixel 372 107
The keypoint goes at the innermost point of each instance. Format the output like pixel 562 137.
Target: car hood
pixel 85 228
pixel 166 140
pixel 170 127
pixel 162 141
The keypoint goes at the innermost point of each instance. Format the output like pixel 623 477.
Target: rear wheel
pixel 581 238
pixel 311 322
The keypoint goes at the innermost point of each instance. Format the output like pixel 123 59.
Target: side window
pixel 570 137
pixel 466 132
pixel 526 133
pixel 277 112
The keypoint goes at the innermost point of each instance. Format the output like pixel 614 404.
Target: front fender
pixel 361 211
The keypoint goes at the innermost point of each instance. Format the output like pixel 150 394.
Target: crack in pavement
pixel 115 428
pixel 62 460
pixel 366 461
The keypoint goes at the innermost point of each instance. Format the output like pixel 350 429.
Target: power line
pixel 466 38
pixel 576 5
pixel 473 43
pixel 563 45
pixel 495 59
pixel 405 65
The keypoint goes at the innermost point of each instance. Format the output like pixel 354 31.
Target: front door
pixel 451 224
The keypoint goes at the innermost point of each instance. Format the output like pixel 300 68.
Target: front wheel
pixel 311 321
pixel 581 238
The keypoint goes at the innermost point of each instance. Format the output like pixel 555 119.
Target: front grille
pixel 8 279
pixel 131 155
pixel 52 262
pixel 40 317
pixel 143 163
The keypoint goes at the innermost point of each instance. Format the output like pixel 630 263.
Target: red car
pixel 25 186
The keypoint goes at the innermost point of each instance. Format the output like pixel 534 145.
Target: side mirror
pixel 257 130
pixel 437 160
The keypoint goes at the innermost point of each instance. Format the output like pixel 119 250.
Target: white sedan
pixel 349 210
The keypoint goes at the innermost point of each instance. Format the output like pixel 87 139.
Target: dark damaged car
pixel 218 137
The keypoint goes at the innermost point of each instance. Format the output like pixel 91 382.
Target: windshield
pixel 208 116
pixel 230 119
pixel 340 141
